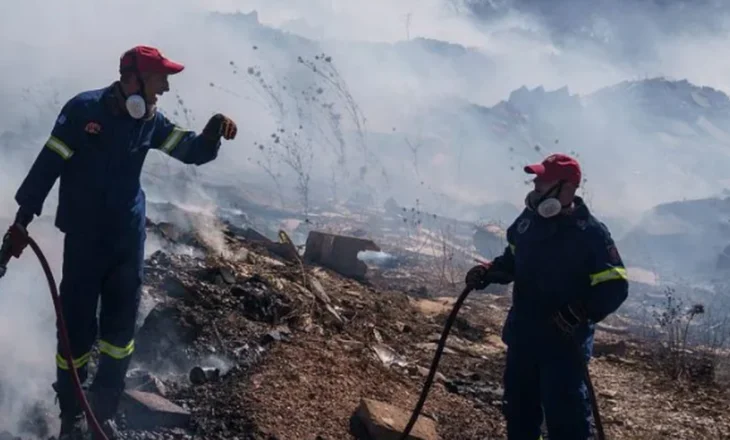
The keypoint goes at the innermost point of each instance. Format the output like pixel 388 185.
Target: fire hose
pixel 437 358
pixel 61 324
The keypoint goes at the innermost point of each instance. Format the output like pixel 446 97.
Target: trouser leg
pixel 522 408
pixel 565 397
pixel 120 298
pixel 79 294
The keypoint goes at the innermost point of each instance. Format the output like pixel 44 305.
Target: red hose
pixel 65 344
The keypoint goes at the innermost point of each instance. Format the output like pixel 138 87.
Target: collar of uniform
pixel 580 210
pixel 113 99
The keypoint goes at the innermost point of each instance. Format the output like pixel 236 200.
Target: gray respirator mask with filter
pixel 135 103
pixel 547 205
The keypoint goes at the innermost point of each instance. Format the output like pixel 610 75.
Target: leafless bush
pixel 449 263
pixel 323 67
pixel 675 320
pixel 309 112
pixel 268 164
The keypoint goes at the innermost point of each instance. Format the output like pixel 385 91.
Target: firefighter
pixel 568 276
pixel 97 148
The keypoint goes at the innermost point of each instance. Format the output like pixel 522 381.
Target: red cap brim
pixel 172 67
pixel 537 169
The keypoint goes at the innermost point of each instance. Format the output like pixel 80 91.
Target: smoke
pixel 339 101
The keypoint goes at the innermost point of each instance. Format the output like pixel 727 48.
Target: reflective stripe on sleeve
pixel 172 140
pixel 614 273
pixel 59 147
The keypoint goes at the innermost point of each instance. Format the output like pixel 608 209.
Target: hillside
pixel 288 348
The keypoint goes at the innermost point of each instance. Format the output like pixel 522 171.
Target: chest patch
pixel 523 225
pixel 93 128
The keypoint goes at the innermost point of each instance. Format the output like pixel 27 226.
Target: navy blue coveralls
pixel 97 150
pixel 568 259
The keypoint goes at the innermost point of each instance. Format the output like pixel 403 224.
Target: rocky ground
pixel 245 344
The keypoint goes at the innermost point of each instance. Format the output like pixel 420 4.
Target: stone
pixel 601 348
pixel 338 252
pixel 148 411
pixel 174 287
pixel 383 421
pixel 141 380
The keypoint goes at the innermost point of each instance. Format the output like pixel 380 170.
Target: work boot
pixel 110 430
pixel 104 403
pixel 73 421
pixel 73 427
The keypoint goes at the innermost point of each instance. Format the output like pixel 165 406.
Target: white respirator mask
pixel 547 205
pixel 135 104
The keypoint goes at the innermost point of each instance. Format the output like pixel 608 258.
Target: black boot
pixel 73 427
pixel 73 421
pixel 104 404
pixel 110 430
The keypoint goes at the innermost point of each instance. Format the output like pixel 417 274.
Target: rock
pixel 601 348
pixel 387 422
pixel 469 331
pixel 278 335
pixel 417 370
pixel 148 411
pixel 482 392
pixel 163 337
pixel 142 380
pixel 199 375
pixel 338 252
pixel 160 258
pixel 419 292
pixel 223 276
pixel 284 248
pixel 253 235
pixel 174 287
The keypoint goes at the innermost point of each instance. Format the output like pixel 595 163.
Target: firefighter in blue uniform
pixel 568 276
pixel 97 149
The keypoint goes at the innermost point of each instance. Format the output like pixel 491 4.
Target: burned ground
pixel 250 344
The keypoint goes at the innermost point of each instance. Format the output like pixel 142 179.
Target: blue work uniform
pixel 568 259
pixel 97 151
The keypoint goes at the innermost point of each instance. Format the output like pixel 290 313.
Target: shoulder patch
pixel 613 256
pixel 523 225
pixel 61 119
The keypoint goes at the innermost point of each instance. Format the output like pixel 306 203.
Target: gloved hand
pixel 220 125
pixel 569 317
pixel 481 275
pixel 15 241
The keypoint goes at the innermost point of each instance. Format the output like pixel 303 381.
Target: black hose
pixel 61 324
pixel 437 358
pixel 434 364
pixel 594 402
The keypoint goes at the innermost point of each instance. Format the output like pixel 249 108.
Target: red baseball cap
pixel 557 167
pixel 147 59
